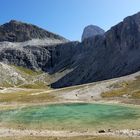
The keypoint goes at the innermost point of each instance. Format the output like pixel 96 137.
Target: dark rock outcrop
pixel 47 58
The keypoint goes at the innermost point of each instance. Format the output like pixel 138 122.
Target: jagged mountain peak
pixel 15 21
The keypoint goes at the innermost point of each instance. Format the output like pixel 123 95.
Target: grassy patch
pixel 136 94
pixel 31 77
pixel 6 84
pixel 27 71
pixel 130 89
pixel 119 85
pixel 27 96
pixel 114 93
pixel 36 85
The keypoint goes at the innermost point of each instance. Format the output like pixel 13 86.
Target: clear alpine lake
pixel 73 116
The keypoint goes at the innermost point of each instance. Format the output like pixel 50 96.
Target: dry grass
pixel 129 90
pixel 36 85
pixel 136 94
pixel 27 96
pixel 114 93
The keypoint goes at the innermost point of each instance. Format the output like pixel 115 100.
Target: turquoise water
pixel 73 116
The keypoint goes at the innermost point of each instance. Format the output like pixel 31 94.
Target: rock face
pixel 91 31
pixel 114 54
pixel 16 31
pixel 47 58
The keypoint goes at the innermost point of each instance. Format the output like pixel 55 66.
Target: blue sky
pixel 68 17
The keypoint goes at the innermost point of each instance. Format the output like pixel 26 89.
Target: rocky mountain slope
pixel 47 58
pixel 91 31
pixel 16 76
pixel 114 54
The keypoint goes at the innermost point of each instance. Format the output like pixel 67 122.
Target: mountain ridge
pixel 102 57
pixel 17 31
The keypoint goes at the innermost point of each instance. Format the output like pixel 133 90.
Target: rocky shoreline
pixel 7 132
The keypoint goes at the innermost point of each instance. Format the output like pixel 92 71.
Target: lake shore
pixel 8 132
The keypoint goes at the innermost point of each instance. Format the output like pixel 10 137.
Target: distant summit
pixel 17 31
pixel 91 31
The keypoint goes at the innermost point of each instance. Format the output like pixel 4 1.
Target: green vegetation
pixel 36 85
pixel 27 71
pixel 31 76
pixel 6 84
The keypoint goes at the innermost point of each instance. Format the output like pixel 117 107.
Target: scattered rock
pixel 101 131
pixel 109 130
pixel 31 134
